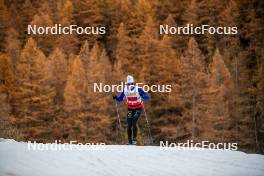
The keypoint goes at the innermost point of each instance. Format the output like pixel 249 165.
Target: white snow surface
pixel 115 160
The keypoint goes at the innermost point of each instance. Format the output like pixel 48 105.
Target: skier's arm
pixel 120 97
pixel 143 94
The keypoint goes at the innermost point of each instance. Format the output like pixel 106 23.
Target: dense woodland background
pixel 217 80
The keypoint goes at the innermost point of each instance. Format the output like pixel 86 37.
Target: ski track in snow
pixel 122 160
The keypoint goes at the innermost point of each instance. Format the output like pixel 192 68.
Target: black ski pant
pixel 132 118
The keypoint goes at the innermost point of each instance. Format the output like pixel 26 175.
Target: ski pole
pixel 118 117
pixel 142 131
pixel 119 122
pixel 146 117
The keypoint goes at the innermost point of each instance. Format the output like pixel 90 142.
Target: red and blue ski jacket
pixel 134 97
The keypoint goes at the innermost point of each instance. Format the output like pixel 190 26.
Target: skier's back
pixel 134 99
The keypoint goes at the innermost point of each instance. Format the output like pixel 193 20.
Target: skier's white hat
pixel 130 79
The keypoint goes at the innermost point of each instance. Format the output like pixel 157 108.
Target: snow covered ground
pixel 17 160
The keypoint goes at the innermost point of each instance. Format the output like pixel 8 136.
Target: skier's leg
pixel 129 125
pixel 136 116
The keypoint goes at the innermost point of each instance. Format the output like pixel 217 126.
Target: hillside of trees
pixel 46 81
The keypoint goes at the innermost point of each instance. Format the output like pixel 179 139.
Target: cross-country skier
pixel 134 96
